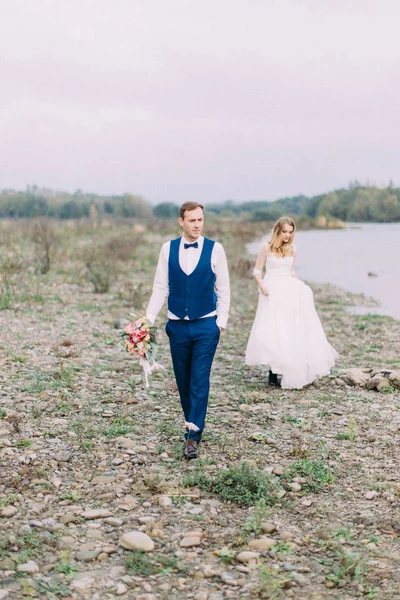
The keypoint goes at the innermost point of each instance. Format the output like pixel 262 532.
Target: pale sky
pixel 203 100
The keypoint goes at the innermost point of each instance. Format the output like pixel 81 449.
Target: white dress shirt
pixel 188 259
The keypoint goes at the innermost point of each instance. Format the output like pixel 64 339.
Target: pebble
pixel 164 501
pixel 8 511
pixel 294 487
pixel 262 544
pixel 268 527
pixel 121 589
pixel 136 540
pixel 114 522
pixel 96 514
pixel 29 567
pixel 371 495
pixel 82 582
pixel 247 557
pixel 190 541
pixel 102 479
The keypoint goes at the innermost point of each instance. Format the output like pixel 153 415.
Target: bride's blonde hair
pixel 275 245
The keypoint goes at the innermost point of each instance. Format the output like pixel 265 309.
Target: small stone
pixel 114 522
pixel 356 377
pixel 69 518
pixel 202 595
pixel 126 443
pixel 102 479
pixel 188 542
pixel 394 378
pixel 300 579
pixel 165 501
pixel 88 555
pixel 8 511
pixel 268 527
pixel 96 514
pixel 262 544
pixel 29 567
pixel 383 384
pixel 307 502
pixel 82 582
pixel 136 540
pixel 294 487
pixel 371 495
pixel 121 589
pixel 278 470
pixel 247 557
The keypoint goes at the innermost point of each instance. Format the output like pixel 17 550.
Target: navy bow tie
pixel 194 245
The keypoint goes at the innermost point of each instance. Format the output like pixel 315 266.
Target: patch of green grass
pixel 346 533
pixel 169 428
pixel 87 444
pixel 240 484
pixel 84 429
pixel 226 555
pixel 23 548
pixel 10 499
pixel 297 422
pixel 19 359
pixel 349 433
pixel 119 426
pixel 387 389
pixel 2 413
pixel 144 565
pixel 272 583
pixel 64 407
pixel 65 566
pixel 41 381
pixel 51 589
pixel 348 567
pixel 7 299
pixel 258 515
pixel 315 473
pixel 283 548
pixel 23 443
pixel 73 495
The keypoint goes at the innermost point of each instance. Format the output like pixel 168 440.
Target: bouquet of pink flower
pixel 142 341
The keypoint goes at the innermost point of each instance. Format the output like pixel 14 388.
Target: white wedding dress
pixel 287 335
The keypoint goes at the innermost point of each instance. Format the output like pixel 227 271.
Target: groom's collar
pixel 185 241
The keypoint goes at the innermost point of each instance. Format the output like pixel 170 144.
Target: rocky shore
pixel 296 494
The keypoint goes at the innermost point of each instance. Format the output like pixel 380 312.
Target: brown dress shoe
pixel 190 450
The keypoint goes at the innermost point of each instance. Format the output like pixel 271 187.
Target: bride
pixel 287 335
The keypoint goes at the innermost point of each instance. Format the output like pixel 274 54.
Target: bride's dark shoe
pixel 273 379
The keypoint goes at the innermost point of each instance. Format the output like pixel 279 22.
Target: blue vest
pixel 191 295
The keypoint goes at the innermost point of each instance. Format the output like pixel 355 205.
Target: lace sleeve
pixel 260 262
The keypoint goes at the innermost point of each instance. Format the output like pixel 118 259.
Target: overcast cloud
pixel 199 99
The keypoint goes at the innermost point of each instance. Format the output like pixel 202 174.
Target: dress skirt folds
pixel 287 335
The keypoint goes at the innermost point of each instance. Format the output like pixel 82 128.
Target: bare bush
pixel 101 271
pixel 46 240
pixel 123 248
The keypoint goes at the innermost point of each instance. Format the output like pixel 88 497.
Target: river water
pixel 345 257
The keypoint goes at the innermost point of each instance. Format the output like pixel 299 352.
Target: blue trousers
pixel 193 345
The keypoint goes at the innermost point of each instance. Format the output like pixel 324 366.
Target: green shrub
pixel 240 484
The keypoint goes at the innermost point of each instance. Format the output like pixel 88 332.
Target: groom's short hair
pixel 189 206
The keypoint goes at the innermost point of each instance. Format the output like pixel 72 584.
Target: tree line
pixel 356 203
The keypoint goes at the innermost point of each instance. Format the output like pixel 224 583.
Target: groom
pixel 193 273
